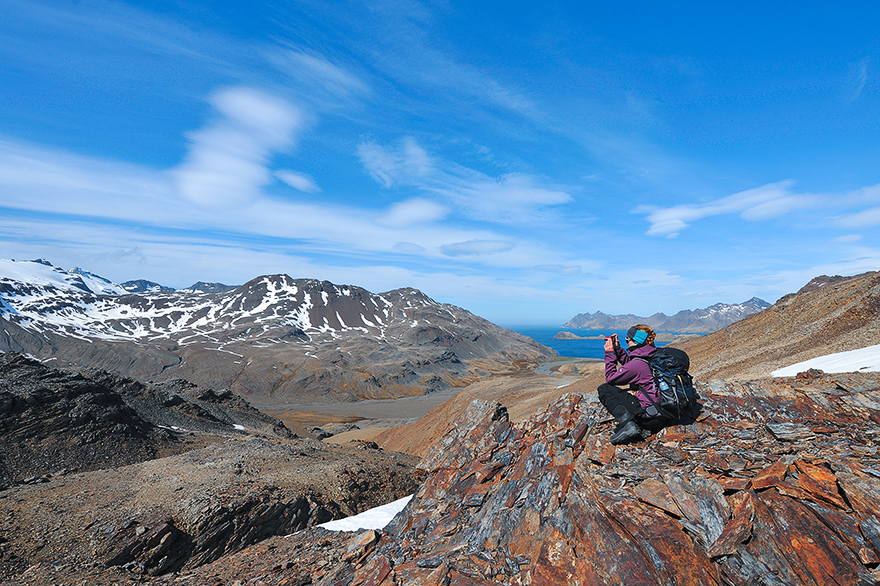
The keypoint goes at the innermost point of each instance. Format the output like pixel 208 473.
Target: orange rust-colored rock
pixel 730 497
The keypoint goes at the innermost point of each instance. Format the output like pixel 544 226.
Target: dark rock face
pixel 773 482
pixel 53 421
pixel 274 339
pixel 202 287
pixel 700 321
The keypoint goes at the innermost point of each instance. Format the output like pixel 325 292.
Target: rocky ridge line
pixel 275 340
pixel 54 422
pixel 697 321
pixel 843 314
pixel 775 482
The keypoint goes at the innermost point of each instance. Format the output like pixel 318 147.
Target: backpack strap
pixel 653 383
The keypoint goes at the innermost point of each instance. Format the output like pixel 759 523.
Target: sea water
pixel 570 348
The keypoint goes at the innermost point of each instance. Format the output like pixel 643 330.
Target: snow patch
pixel 375 518
pixel 861 360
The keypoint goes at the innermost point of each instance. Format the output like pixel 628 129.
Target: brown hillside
pixel 829 314
pixel 524 395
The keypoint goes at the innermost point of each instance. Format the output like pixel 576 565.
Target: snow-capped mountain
pixel 275 338
pixel 142 286
pixel 42 273
pixel 699 321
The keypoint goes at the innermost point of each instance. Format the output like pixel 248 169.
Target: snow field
pixel 861 360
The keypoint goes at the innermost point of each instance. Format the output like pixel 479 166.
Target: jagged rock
pixel 54 420
pixel 735 497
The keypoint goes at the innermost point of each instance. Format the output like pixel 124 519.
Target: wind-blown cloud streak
pixel 762 203
pixel 510 198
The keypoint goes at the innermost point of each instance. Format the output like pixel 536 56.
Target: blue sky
pixel 525 161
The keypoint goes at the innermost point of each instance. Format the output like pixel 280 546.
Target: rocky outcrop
pixel 698 321
pixel 772 482
pixel 175 514
pixel 53 421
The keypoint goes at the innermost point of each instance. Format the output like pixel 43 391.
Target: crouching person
pixel 629 407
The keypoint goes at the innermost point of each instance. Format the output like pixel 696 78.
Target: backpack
pixel 675 387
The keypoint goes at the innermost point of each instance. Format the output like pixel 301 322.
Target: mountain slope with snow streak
pixel 859 360
pixel 827 316
pixel 275 338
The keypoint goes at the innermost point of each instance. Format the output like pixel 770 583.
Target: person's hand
pixel 609 344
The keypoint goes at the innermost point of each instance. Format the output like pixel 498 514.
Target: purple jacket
pixel 632 372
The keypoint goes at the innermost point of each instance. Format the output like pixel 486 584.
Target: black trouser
pixel 622 404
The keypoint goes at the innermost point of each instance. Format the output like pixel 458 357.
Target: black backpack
pixel 674 385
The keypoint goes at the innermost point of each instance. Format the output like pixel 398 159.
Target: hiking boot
pixel 626 433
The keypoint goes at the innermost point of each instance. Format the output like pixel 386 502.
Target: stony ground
pixel 183 511
pixel 53 422
pixel 773 482
pixel 104 478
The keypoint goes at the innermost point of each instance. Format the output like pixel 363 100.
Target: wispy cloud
pixel 407 165
pixel 317 71
pixel 762 203
pixel 104 192
pixel 855 81
pixel 227 162
pixel 412 212
pixel 861 219
pixel 514 197
pixel 476 247
pixel 558 269
pixel 299 181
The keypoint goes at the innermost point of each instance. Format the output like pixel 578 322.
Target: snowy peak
pixel 274 336
pixel 142 286
pixel 41 273
pixel 702 321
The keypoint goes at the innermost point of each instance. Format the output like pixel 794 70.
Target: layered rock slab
pixel 720 500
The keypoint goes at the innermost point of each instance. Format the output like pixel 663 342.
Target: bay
pixel 570 348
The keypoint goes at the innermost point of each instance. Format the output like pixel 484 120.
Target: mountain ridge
pixel 828 315
pixel 274 339
pixel 698 321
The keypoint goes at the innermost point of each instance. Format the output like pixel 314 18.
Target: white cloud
pixel 514 197
pixel 848 238
pixel 227 161
pixel 762 203
pixel 856 78
pixel 104 193
pixel 558 269
pixel 860 219
pixel 316 71
pixel 408 165
pixel 476 247
pixel 299 181
pixel 408 248
pixel 411 212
